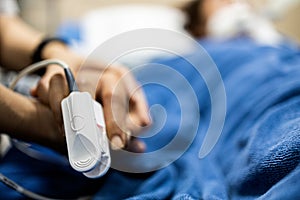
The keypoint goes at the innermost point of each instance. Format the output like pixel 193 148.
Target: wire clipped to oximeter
pixel 87 142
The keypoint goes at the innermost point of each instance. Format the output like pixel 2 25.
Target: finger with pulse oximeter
pixel 84 125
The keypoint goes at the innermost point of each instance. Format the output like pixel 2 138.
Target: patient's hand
pixel 125 108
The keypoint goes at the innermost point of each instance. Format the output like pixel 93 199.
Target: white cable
pixel 22 190
pixel 36 66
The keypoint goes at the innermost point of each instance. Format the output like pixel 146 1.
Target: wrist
pixel 60 51
pixel 52 49
pixel 55 48
pixel 37 54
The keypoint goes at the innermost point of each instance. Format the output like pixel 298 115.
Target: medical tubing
pixel 71 80
pixel 36 66
pixel 8 182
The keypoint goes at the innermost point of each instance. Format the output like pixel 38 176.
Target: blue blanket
pixel 257 155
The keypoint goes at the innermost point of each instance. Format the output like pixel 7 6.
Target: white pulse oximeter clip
pixel 84 125
pixel 87 142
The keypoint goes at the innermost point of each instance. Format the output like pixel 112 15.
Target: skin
pixel 210 7
pixel 40 119
pixel 206 9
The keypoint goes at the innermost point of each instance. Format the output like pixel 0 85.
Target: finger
pixel 138 110
pixel 138 104
pixel 41 91
pixel 138 114
pixel 114 99
pixel 135 145
pixel 33 91
pixel 58 90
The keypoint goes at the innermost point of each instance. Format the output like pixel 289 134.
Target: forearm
pixel 17 41
pixel 16 110
pixel 26 119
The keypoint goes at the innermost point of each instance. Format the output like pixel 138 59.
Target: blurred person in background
pixel 225 19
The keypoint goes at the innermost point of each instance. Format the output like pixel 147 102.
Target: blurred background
pixel 49 15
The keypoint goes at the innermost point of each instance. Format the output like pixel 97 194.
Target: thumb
pixel 41 90
pixel 58 90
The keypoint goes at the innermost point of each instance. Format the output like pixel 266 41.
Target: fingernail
pixel 116 143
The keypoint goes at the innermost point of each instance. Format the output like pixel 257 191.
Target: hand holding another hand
pixel 123 101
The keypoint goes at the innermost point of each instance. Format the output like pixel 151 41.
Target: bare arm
pixel 17 41
pixel 28 120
